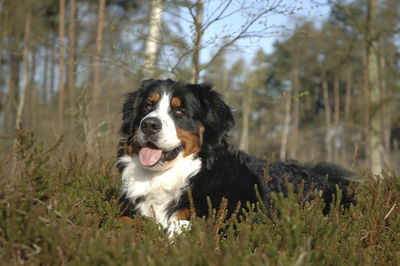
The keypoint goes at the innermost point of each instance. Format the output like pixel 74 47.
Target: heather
pixel 62 208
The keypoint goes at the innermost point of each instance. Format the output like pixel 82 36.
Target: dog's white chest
pixel 157 190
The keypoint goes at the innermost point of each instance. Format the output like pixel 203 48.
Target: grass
pixel 60 208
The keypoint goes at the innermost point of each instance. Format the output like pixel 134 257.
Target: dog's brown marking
pixel 131 146
pixel 176 102
pixel 128 149
pixel 191 140
pixel 201 131
pixel 137 104
pixel 183 214
pixel 154 98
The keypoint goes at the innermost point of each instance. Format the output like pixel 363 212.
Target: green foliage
pixel 63 209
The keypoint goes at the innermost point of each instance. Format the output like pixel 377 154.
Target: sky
pixel 306 10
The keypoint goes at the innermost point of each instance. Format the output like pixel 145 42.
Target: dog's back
pixel 235 175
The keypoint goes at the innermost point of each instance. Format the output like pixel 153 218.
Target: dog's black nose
pixel 150 125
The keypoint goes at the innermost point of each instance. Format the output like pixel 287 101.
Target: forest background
pixel 327 90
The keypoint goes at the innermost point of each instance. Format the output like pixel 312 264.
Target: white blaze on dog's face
pixel 157 135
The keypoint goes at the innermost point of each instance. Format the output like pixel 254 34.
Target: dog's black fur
pixel 226 172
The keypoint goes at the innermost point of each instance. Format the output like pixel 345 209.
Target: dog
pixel 175 153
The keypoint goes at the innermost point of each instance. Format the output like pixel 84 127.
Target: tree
pixel 72 48
pixel 99 41
pixel 61 66
pixel 198 24
pixel 14 34
pixel 373 23
pixel 247 98
pixel 286 123
pixel 328 123
pixel 347 109
pixel 254 13
pixel 26 70
pixel 152 42
pixel 25 84
pixel 336 116
pixel 375 142
pixel 44 77
pixel 255 81
pixel 296 102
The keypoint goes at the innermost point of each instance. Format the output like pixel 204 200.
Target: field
pixel 62 208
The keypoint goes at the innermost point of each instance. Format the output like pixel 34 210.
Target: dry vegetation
pixel 61 208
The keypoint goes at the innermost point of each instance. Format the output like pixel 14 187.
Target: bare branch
pixel 358 26
pixel 180 60
pixel 219 16
pixel 241 34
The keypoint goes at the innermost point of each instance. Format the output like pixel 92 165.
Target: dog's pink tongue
pixel 149 156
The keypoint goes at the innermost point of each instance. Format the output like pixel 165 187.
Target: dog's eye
pixel 147 106
pixel 179 111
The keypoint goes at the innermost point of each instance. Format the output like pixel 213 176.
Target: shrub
pixel 60 208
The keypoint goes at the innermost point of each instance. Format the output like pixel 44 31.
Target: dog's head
pixel 166 120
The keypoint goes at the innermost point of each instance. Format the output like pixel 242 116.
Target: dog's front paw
pixel 177 227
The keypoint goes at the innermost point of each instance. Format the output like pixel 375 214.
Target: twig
pixel 76 204
pixel 51 209
pixel 390 211
pixel 49 149
pixel 13 152
pixel 39 217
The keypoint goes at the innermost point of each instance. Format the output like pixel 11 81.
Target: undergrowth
pixel 60 208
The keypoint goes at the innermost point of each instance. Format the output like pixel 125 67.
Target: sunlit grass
pixel 55 211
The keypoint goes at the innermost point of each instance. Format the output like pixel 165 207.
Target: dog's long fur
pixel 190 123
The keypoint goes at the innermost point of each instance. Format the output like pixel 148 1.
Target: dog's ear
pixel 129 112
pixel 129 108
pixel 216 115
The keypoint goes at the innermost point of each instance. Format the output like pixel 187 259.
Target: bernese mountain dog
pixel 174 153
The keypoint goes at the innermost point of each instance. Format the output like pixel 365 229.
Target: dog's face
pixel 165 121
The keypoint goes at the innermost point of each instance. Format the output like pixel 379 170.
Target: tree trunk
pixel 286 124
pixel 18 121
pixel 14 39
pixel 13 93
pixel 375 142
pixel 328 141
pixel 225 84
pixel 91 125
pixel 152 42
pixel 347 104
pixel 347 100
pixel 45 72
pixel 71 51
pixel 336 117
pixel 366 107
pixel 99 42
pixel 61 66
pixel 247 93
pixel 386 109
pixel 198 23
pixel 21 104
pixel 31 93
pixel 7 106
pixel 2 36
pixel 294 128
pixel 52 68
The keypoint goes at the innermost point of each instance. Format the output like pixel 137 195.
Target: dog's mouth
pixel 150 154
